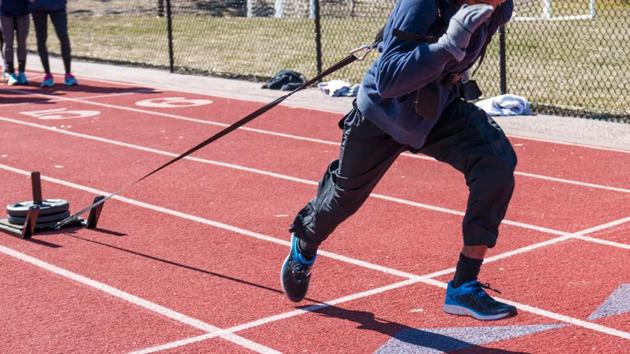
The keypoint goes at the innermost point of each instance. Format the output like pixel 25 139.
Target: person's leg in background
pixel 1 43
pixel 22 26
pixel 59 20
pixel 8 29
pixel 40 22
pixel 470 141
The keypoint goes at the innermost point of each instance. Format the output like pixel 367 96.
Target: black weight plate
pixel 41 219
pixel 48 206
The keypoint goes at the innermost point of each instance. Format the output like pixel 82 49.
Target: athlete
pixel 15 23
pixel 413 99
pixel 56 10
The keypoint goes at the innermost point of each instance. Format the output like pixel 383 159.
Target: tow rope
pixel 356 54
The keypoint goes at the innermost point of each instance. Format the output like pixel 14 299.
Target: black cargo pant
pixel 465 137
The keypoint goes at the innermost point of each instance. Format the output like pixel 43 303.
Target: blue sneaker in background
pixel 296 272
pixel 21 78
pixel 71 80
pixel 470 299
pixel 49 81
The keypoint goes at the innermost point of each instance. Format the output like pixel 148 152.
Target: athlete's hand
pixel 493 3
pixel 461 27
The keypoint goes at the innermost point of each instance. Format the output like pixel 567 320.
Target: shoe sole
pixel 281 271
pixel 463 311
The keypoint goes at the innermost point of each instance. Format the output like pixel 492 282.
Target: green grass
pixel 575 65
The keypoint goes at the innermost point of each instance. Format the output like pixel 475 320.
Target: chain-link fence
pixel 571 55
pixel 566 56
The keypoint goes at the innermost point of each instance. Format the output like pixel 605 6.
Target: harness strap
pixel 414 37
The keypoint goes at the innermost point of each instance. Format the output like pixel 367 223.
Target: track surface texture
pixel 188 260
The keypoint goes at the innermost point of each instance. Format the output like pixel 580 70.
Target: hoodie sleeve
pixel 405 66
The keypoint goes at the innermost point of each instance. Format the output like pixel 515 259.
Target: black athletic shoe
pixel 470 299
pixel 296 273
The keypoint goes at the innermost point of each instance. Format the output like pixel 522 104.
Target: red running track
pixel 197 247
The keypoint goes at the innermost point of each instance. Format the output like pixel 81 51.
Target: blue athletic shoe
pixel 21 78
pixel 296 273
pixel 49 81
pixel 470 299
pixel 71 80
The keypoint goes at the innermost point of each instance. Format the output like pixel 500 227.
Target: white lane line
pixel 61 99
pixel 299 180
pixel 578 235
pixel 570 144
pixel 187 119
pixel 158 152
pixel 319 141
pixel 264 100
pixel 153 307
pixel 53 99
pixel 461 213
pixel 573 182
pixel 279 176
pixel 111 95
pixel 152 207
pixel 604 242
pixel 278 317
pixel 412 279
pixel 601 227
pixel 260 236
pixel 274 175
pixel 425 279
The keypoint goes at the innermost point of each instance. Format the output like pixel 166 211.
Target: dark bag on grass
pixel 285 80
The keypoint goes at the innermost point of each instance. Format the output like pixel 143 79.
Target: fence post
pixel 311 8
pixel 502 62
pixel 318 36
pixel 160 5
pixel 169 29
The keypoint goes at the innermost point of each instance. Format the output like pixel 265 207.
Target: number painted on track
pixel 60 113
pixel 172 102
